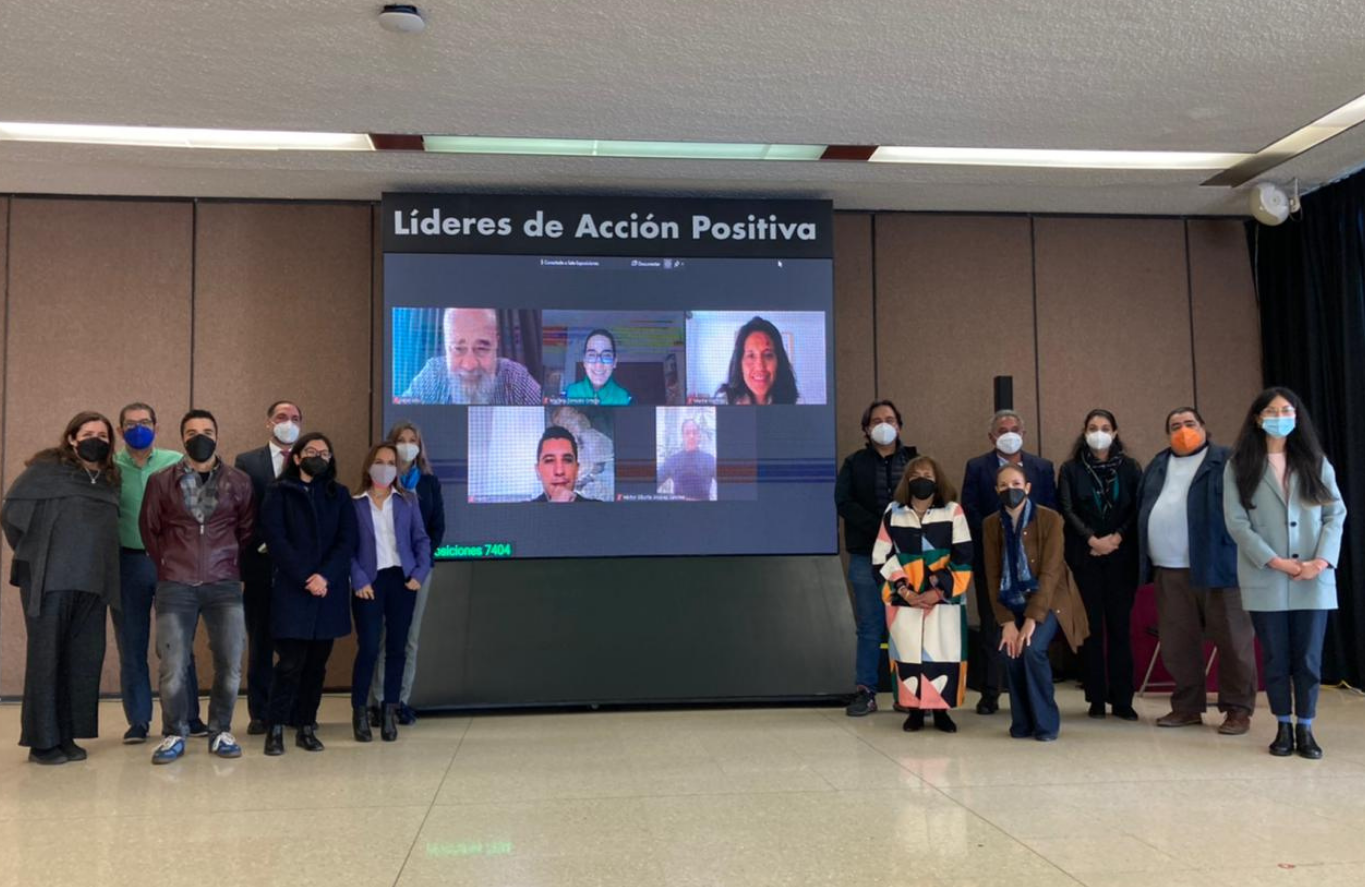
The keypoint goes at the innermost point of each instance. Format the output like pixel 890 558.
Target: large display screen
pixel 582 405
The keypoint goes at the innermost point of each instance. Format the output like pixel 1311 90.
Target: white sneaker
pixel 224 745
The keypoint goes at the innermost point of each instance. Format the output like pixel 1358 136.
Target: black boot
pixel 914 722
pixel 1303 738
pixel 1283 746
pixel 274 740
pixel 360 723
pixel 943 722
pixel 388 731
pixel 307 739
pixel 375 717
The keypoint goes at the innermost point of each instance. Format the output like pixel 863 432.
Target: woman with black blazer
pixel 309 526
pixel 1098 493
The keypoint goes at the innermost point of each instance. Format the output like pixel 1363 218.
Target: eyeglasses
pixel 137 423
pixel 309 451
pixel 606 358
pixel 1271 412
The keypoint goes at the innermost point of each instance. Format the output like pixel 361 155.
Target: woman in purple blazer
pixel 392 559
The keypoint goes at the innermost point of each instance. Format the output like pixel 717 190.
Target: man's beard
pixel 477 387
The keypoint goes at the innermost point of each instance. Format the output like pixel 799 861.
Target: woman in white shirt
pixel 391 561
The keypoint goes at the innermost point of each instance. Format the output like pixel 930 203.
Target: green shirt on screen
pixel 131 490
pixel 609 395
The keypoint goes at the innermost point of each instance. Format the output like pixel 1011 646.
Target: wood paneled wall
pixel 231 305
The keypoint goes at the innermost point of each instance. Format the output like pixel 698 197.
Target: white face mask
pixel 1099 441
pixel 1009 443
pixel 883 434
pixel 383 475
pixel 285 432
pixel 408 451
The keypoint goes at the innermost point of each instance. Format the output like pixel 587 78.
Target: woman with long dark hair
pixel 61 518
pixel 415 475
pixel 924 554
pixel 392 559
pixel 1097 489
pixel 760 371
pixel 1285 512
pixel 309 526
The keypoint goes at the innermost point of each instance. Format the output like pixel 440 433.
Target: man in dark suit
pixel 284 422
pixel 979 500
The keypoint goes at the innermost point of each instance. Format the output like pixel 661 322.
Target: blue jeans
pixel 1291 644
pixel 869 615
pixel 388 616
pixel 1033 706
pixel 132 634
pixel 178 608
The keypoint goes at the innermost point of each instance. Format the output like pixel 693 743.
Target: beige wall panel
pixel 282 310
pixel 99 315
pixel 954 310
pixel 1113 327
pixel 853 368
pixel 11 614
pixel 1227 327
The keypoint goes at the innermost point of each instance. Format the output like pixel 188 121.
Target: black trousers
pixel 260 651
pixel 992 658
pixel 296 690
pixel 62 677
pixel 1108 586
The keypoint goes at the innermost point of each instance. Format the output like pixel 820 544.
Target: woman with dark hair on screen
pixel 416 476
pixel 1285 513
pixel 309 526
pixel 1097 490
pixel 599 363
pixel 924 554
pixel 760 371
pixel 61 518
pixel 392 560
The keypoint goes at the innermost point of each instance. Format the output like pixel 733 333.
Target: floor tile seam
pixel 417 835
pixel 216 812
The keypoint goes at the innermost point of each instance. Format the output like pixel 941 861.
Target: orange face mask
pixel 1186 440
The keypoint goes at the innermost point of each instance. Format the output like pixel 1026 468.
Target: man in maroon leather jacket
pixel 196 517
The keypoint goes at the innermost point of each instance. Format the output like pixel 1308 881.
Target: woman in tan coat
pixel 1033 595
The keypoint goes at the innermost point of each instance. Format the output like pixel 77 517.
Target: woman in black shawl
pixel 61 518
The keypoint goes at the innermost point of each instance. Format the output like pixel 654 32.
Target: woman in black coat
pixel 1098 493
pixel 309 526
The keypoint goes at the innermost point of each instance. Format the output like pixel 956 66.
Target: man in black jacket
pixel 867 481
pixel 284 421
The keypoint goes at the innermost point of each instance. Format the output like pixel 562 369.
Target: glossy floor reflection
pixel 766 796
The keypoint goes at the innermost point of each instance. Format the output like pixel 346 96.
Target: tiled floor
pixel 769 796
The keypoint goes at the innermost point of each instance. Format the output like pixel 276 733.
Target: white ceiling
pixel 1214 75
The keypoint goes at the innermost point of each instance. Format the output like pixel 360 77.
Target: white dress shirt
pixel 385 536
pixel 278 457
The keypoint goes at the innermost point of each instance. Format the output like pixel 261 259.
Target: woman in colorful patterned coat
pixel 924 554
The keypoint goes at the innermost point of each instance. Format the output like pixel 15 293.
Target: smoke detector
pixel 401 18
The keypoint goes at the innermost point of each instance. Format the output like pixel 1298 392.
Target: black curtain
pixel 1310 281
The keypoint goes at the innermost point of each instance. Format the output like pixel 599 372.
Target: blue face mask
pixel 139 437
pixel 1279 426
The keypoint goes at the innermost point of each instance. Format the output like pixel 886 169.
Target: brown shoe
pixel 1176 719
pixel 1235 723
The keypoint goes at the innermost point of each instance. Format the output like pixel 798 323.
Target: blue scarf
pixel 410 477
pixel 1016 581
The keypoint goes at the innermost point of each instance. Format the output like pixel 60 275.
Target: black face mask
pixel 923 488
pixel 92 449
pixel 315 466
pixel 1012 497
pixel 200 448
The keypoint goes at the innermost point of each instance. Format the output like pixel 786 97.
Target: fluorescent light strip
pixel 448 144
pixel 1330 125
pixel 1056 159
pixel 169 137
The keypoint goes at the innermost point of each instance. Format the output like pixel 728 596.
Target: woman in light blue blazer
pixel 1284 510
pixel 392 559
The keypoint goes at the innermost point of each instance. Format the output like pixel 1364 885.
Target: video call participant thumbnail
pixel 599 363
pixel 691 469
pixel 557 466
pixel 471 372
pixel 760 370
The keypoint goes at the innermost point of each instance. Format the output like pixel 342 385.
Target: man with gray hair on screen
pixel 470 371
